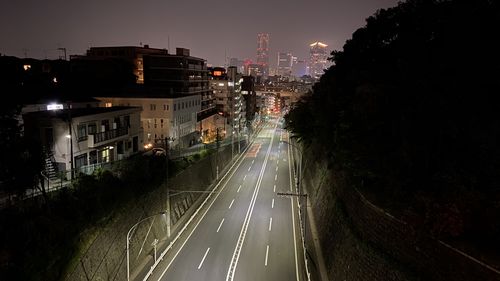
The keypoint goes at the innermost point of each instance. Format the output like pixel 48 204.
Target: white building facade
pixel 171 119
pixel 84 138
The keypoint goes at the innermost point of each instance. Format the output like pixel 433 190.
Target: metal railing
pixel 111 134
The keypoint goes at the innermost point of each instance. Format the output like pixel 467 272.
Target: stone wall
pixel 104 257
pixel 360 241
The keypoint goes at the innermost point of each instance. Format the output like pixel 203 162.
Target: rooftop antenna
pixel 168 43
pixel 64 53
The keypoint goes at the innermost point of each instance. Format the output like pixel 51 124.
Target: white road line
pixel 222 221
pixel 274 188
pixel 275 177
pixel 239 189
pixel 237 249
pixel 276 168
pixel 267 253
pixel 244 177
pixel 202 260
pixel 293 220
pixel 231 204
pixel 272 204
pixel 249 168
pixel 230 172
pixel 270 223
pixel 253 161
pixel 277 162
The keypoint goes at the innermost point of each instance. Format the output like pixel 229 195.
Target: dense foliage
pixel 40 237
pixel 410 109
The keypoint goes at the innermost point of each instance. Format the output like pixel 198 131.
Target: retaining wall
pixel 361 241
pixel 105 256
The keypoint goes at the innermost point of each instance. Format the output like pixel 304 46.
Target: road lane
pixel 208 252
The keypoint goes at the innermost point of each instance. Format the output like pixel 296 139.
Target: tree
pixel 410 104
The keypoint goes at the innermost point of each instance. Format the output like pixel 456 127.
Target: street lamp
pixel 299 194
pixel 128 239
pixel 298 186
pixel 298 179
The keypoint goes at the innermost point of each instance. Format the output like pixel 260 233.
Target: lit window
pixel 27 67
pixel 108 104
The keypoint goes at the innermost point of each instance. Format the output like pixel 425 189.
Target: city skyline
pixel 214 32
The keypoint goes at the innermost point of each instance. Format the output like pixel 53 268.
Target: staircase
pixel 50 168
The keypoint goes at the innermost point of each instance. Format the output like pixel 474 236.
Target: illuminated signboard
pixel 217 73
pixel 54 106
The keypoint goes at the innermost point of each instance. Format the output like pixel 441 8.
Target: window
pixel 161 121
pixel 167 107
pixel 108 104
pixel 126 121
pixel 117 123
pixel 81 160
pixel 103 156
pixel 119 148
pixel 104 125
pixel 164 107
pixel 82 132
pixel 93 157
pixel 175 107
pixel 91 129
pixel 152 106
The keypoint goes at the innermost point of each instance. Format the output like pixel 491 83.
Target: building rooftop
pixel 78 112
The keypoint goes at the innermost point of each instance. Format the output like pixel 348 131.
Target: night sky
pixel 209 28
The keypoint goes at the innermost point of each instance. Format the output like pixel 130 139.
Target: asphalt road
pixel 247 232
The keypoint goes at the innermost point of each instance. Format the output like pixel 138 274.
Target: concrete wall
pixel 104 258
pixel 360 241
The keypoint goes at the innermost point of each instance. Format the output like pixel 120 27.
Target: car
pixel 157 151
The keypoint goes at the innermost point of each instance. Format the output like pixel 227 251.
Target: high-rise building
pixel 318 59
pixel 174 91
pixel 285 63
pixel 239 64
pixel 131 54
pixel 226 86
pixel 263 52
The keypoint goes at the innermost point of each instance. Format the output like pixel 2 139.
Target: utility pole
pixel 166 186
pixel 64 52
pixel 303 213
pixel 70 139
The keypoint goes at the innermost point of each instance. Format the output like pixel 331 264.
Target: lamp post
pixel 70 136
pixel 128 238
pixel 167 146
pixel 298 180
pixel 298 188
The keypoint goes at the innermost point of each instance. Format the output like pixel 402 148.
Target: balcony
pixel 98 139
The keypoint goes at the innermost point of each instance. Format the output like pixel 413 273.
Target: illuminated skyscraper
pixel 285 62
pixel 263 52
pixel 318 59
